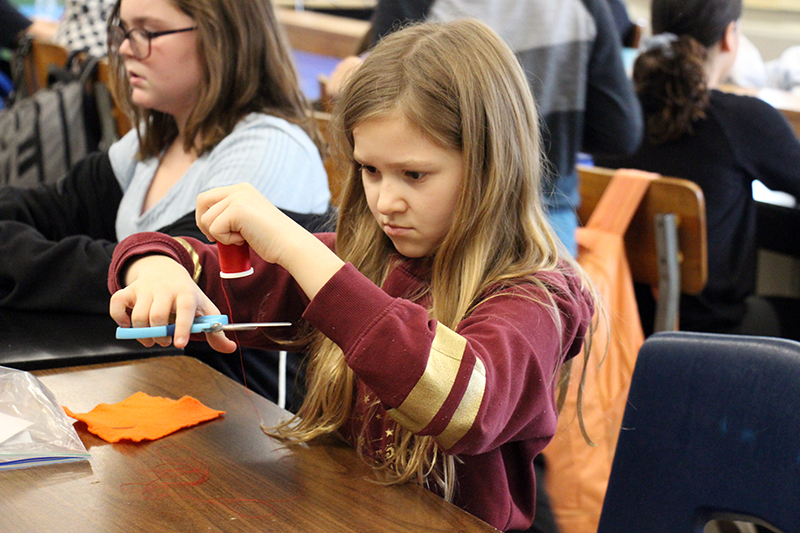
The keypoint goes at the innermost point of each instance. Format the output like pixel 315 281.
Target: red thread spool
pixel 234 260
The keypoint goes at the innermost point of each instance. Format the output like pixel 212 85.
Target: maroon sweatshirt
pixel 485 392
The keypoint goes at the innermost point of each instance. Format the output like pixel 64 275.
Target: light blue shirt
pixel 275 156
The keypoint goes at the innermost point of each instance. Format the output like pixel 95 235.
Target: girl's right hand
pixel 158 288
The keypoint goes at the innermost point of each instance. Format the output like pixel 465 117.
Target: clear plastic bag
pixel 34 429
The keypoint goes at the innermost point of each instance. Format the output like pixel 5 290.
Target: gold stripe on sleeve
pixel 431 391
pixel 467 410
pixel 198 269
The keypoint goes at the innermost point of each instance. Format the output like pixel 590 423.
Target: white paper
pixel 763 194
pixel 11 425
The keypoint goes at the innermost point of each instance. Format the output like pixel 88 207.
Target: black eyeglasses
pixel 139 39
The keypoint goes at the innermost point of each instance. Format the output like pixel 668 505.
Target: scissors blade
pixel 247 326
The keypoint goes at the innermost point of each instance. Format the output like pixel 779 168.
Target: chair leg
pixel 669 274
pixel 282 379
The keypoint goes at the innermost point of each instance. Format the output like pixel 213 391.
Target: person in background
pixel 722 142
pixel 441 312
pixel 83 26
pixel 571 54
pixel 212 94
pixel 13 25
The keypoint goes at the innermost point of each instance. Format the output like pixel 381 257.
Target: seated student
pixel 210 88
pixel 722 142
pixel 211 91
pixel 441 313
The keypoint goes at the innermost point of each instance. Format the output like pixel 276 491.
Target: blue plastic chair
pixel 711 431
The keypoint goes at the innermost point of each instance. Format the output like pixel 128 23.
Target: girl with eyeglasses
pixel 212 94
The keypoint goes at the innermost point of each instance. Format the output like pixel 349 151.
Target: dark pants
pixel 766 316
pixel 544 521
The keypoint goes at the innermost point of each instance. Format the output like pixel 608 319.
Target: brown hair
pixel 670 78
pixel 671 84
pixel 464 89
pixel 248 69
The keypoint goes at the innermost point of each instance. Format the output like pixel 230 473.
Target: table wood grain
pixel 222 475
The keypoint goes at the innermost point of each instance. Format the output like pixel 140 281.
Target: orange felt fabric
pixel 144 417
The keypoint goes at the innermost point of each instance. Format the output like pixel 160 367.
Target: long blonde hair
pixel 463 88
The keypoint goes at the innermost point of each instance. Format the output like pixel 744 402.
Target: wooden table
pixel 326 4
pixel 322 33
pixel 357 9
pixel 222 475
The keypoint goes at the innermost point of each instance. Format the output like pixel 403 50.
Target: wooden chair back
pixel 665 195
pixel 104 77
pixel 337 173
pixel 320 33
pixel 40 58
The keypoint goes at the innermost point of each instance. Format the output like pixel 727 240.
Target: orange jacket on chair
pixel 577 473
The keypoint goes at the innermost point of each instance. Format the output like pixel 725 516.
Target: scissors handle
pixel 200 325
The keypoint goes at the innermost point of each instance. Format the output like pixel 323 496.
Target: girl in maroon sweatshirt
pixel 439 316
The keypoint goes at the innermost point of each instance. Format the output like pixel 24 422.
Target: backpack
pixel 43 135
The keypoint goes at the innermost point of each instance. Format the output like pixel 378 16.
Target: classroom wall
pixel 772 25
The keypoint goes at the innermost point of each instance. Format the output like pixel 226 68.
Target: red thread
pixel 180 471
pixel 241 356
pixel 234 260
pixel 235 336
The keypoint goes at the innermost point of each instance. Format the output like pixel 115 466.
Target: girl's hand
pixel 239 213
pixel 157 289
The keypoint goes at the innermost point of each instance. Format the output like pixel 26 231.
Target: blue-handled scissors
pixel 201 324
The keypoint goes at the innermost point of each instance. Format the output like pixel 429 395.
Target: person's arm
pixel 764 143
pixel 56 241
pixel 82 202
pixel 619 13
pixel 146 289
pixel 12 24
pixel 489 381
pixel 43 30
pixel 613 116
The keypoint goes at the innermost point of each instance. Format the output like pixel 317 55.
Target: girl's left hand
pixel 239 213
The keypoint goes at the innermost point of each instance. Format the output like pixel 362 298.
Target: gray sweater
pixel 571 54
